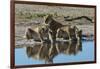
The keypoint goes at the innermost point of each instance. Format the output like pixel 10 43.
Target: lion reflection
pixel 47 51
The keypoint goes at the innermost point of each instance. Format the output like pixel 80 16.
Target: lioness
pixel 38 33
pixel 53 26
pixel 69 32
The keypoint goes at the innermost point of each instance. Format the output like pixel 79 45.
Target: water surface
pixel 61 52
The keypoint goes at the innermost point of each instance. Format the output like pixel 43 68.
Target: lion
pixel 53 26
pixel 38 33
pixel 69 32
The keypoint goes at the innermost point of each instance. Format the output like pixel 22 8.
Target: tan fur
pixel 53 26
pixel 37 33
pixel 69 32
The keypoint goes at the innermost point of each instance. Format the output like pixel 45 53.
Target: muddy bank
pixel 33 15
pixel 20 32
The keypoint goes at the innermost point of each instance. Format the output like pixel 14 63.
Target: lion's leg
pixel 77 33
pixel 69 35
pixel 50 37
pixel 47 36
pixel 76 36
pixel 41 37
pixel 57 34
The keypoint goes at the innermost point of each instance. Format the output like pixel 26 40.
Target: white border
pixel 5 34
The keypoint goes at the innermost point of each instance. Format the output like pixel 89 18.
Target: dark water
pixel 61 52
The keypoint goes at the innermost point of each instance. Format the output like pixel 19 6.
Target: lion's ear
pixel 48 16
pixel 45 17
pixel 48 19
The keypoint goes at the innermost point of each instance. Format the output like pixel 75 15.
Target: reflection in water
pixel 47 51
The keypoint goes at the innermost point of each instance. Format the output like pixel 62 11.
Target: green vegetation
pixel 28 15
